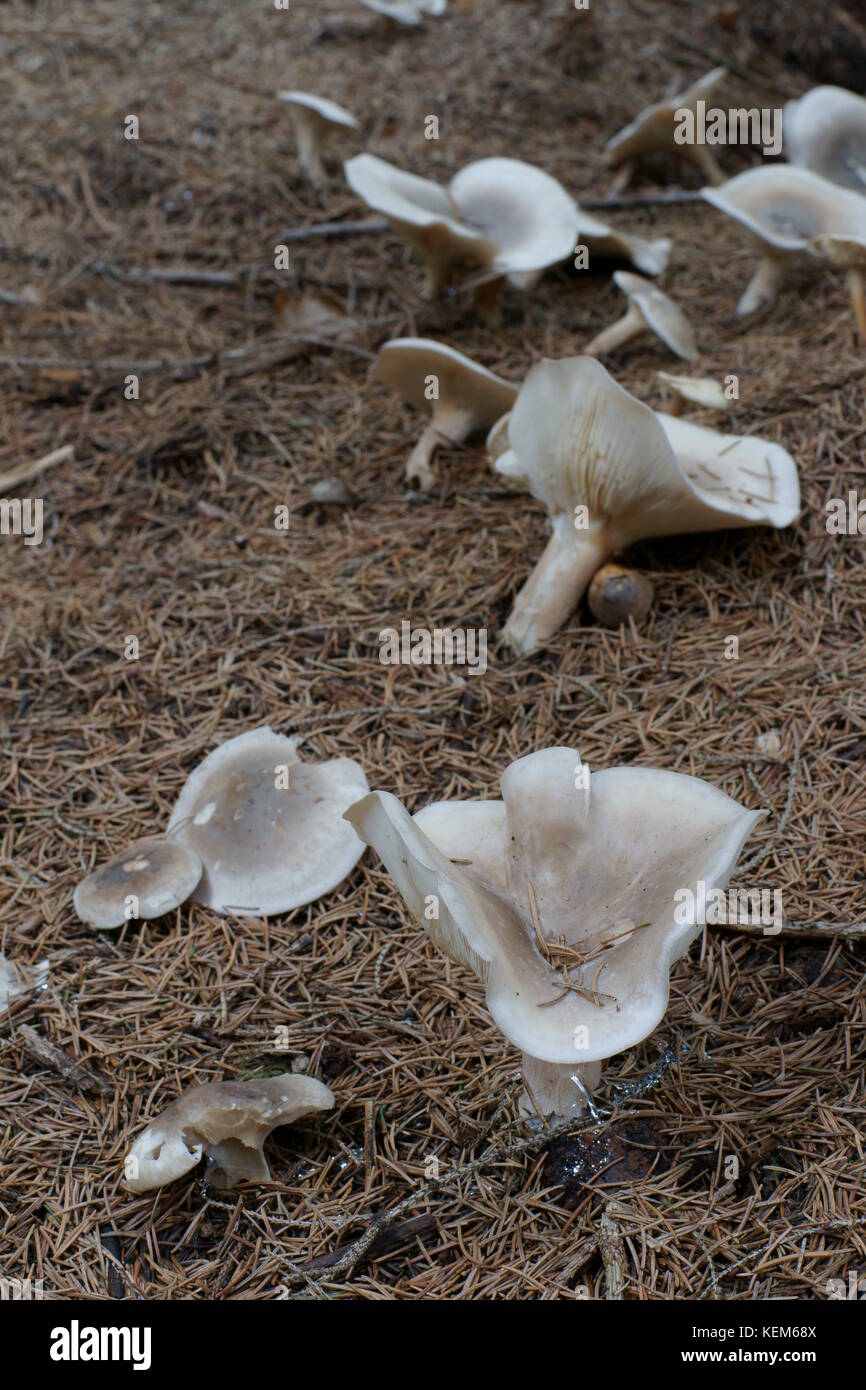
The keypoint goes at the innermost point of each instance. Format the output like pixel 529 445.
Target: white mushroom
pixel 16 980
pixel 498 218
pixel 785 209
pixel 147 879
pixel 225 1121
pixel 825 131
pixel 652 132
pixel 649 310
pixel 406 12
pixel 562 898
pixel 267 827
pixel 459 396
pixel 704 391
pixel 611 472
pixel 650 257
pixel 316 121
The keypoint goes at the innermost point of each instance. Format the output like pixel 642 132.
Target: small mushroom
pixel 149 878
pixel 617 594
pixel 406 12
pixel 498 219
pixel 652 132
pixel 16 979
pixel 611 472
pixel 650 257
pixel 225 1121
pixel 849 254
pixel 785 209
pixel 316 121
pixel 563 899
pixel 704 391
pixel 267 827
pixel 460 396
pixel 649 310
pixel 825 131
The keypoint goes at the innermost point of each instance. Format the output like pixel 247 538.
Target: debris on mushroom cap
pixel 147 879
pixel 603 240
pixel 696 390
pixel 825 131
pixel 315 119
pixel 610 472
pixel 786 209
pixel 460 396
pixel 617 594
pixel 227 1122
pixel 649 308
pixel 652 131
pixel 498 218
pixel 267 827
pixel 562 897
pixel 16 979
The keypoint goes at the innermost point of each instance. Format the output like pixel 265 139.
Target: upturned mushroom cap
pixel 524 212
pixel 265 847
pixel 327 113
pixel 591 865
pixel 696 390
pixel 651 257
pixel 825 131
pixel 786 207
pixel 581 441
pixel 653 129
pixel 158 873
pixel 660 314
pixel 226 1121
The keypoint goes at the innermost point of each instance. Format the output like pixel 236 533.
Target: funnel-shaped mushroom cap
pixel 157 874
pixel 752 480
pixel 786 208
pixel 529 217
pixel 467 393
pixel 696 390
pixel 825 131
pixel 228 1121
pixel 596 861
pixel 267 827
pixel 653 128
pixel 659 313
pixel 328 113
pixel 649 256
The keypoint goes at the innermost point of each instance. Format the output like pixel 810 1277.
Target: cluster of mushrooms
pixel 560 896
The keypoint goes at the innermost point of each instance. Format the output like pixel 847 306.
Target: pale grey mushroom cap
pixel 660 314
pixel 825 131
pixel 159 874
pixel 650 257
pixel 704 391
pixel 786 208
pixel 602 861
pixel 523 211
pixel 467 391
pixel 266 848
pixel 653 128
pixel 408 12
pixel 751 480
pixel 328 112
pixel 226 1121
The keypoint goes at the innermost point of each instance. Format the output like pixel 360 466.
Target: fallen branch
pixel 74 1073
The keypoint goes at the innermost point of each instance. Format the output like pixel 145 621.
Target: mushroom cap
pixel 529 217
pixel 268 849
pixel 659 313
pixel 160 873
pixel 786 207
pixel 847 252
pixel 605 861
pixel 579 438
pixel 326 111
pixel 407 12
pixel 227 1120
pixel 653 128
pixel 18 979
pixel 465 387
pixel 698 390
pixel 825 131
pixel 649 256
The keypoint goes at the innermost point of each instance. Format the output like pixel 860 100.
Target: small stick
pixel 25 471
pixel 75 1073
pixel 612 1254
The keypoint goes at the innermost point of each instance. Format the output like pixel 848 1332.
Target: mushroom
pixel 16 980
pixel 149 878
pixel 825 131
pixel 498 218
pixel 848 253
pixel 785 209
pixel 617 594
pixel 406 12
pixel 466 397
pixel 611 472
pixel 605 241
pixel 227 1122
pixel 693 390
pixel 267 827
pixel 652 132
pixel 650 310
pixel 561 898
pixel 316 120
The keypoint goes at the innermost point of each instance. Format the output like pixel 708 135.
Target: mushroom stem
pixel 309 153
pixel 855 287
pixel 556 1089
pixel 764 285
pixel 629 326
pixel 708 164
pixel 553 589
